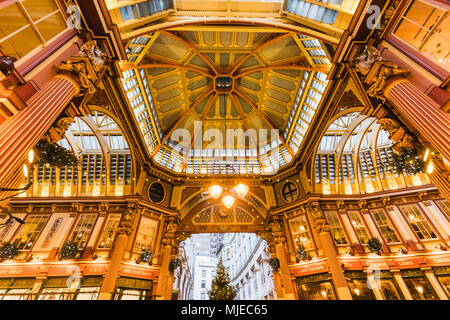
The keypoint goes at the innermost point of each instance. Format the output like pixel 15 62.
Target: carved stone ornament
pixel 376 71
pixel 57 131
pixel 265 235
pixel 397 134
pixel 171 227
pixel 93 52
pixel 79 70
pixel 126 225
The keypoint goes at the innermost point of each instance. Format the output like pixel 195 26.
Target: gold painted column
pixel 323 229
pixel 164 275
pixel 19 134
pixel 165 278
pixel 120 245
pixel 286 292
pixel 389 83
pixel 422 112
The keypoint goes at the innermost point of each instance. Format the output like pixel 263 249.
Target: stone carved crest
pixel 93 52
pixel 376 70
pixel 79 70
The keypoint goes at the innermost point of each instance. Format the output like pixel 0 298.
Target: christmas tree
pixel 220 286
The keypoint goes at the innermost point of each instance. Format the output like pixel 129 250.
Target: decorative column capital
pixel 127 223
pixel 316 213
pixel 377 72
pixel 103 208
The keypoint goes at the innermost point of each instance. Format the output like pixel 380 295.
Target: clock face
pixel 156 192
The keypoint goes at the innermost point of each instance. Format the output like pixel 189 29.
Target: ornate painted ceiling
pixel 207 80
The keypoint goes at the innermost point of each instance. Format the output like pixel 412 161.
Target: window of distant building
pixel 203 284
pixel 202 296
pixel 203 273
pixel 426 27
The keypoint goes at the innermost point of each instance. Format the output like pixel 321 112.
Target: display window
pixel 57 288
pixel 358 285
pixel 442 274
pixel 89 288
pixel 16 289
pixel 419 287
pixel 133 289
pixel 316 287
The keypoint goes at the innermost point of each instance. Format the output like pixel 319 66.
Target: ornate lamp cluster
pixel 228 199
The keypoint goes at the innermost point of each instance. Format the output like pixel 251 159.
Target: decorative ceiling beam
pixel 284 67
pixel 129 66
pixel 258 49
pixel 230 21
pixel 264 117
pixel 180 119
pixel 190 46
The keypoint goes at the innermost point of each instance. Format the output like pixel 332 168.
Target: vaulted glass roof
pixel 223 97
pixel 224 101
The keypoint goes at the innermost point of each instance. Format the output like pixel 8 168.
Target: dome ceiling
pixel 207 79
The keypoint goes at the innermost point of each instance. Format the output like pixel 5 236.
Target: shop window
pixel 57 288
pixel 336 229
pixel 426 28
pixel 389 290
pixel 30 231
pixel 385 226
pixel 133 289
pixel 83 228
pixel 27 25
pixel 89 288
pixel 16 289
pixel 359 226
pixel 357 283
pixel 316 287
pixel 418 222
pixel 418 285
pixel 145 234
pixel 109 231
pixel 300 233
pixel 443 276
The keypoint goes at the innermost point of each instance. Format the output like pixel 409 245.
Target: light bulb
pixel 420 289
pixel 241 189
pixel 425 157
pixel 324 293
pixel 25 171
pixel 30 156
pixel 357 292
pixel 215 191
pixel 228 201
pixel 430 167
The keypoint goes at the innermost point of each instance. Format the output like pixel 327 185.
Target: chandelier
pixel 228 199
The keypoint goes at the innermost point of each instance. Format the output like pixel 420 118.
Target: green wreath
pixel 374 245
pixel 8 251
pixel 175 263
pixel 69 250
pixel 274 263
pixel 146 256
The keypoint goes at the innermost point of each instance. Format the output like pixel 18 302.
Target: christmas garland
pixel 374 245
pixel 8 251
pixel 274 263
pixel 302 254
pixel 54 155
pixel 407 161
pixel 69 250
pixel 146 256
pixel 175 263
